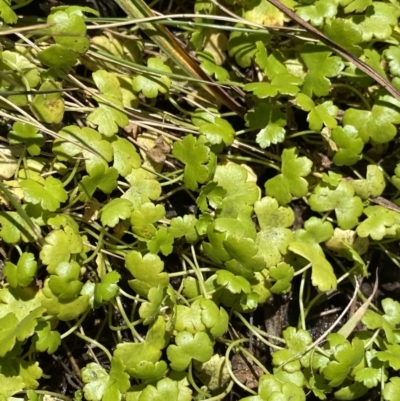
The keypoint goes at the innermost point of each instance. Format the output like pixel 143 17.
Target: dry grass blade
pixel 172 48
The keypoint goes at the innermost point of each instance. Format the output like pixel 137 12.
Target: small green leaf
pixel 189 346
pixel 144 187
pixel 218 131
pixel 49 107
pixel 23 273
pixel 380 222
pixel 49 195
pixel 101 386
pixel 320 115
pixel 319 11
pixel 125 156
pixel 391 391
pixel 341 199
pixel 63 310
pixel 347 356
pixel 161 242
pixel 290 182
pixel 114 211
pixel 65 283
pixel 194 154
pixel 321 66
pixel 378 21
pixel 99 177
pixel 47 339
pixel 376 124
pixel 390 355
pixel 349 145
pixel 184 227
pixel 373 185
pixel 99 151
pixel 242 45
pixel 108 288
pixel 322 275
pixel 69 30
pixel 147 271
pixel 58 56
pixel 28 135
pixel 143 219
pixel 284 84
pixel 151 84
pixel 271 121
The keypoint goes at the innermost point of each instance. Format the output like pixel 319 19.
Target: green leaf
pixel 57 56
pixel 390 355
pixel 149 310
pixel 184 227
pixel 374 184
pixel 321 66
pixel 108 288
pixel 147 271
pixel 10 385
pixel 274 236
pixel 218 131
pixel 150 84
pixel 9 17
pixel 63 310
pixel 349 145
pixel 125 156
pixel 108 117
pixel 284 84
pixel 28 135
pixel 341 199
pixel 114 211
pixel 98 151
pixel 347 356
pixel 322 275
pixel 49 195
pixel 380 222
pixel 161 242
pixel 142 360
pixel 388 321
pixel 187 347
pixel 101 386
pixel 210 68
pixel 144 187
pixel 58 247
pixel 271 122
pixel 297 343
pixel 346 34
pixel 320 115
pixel 234 284
pixel 19 313
pixel 392 54
pixel 319 11
pixel 283 274
pixel 49 107
pixel 357 6
pixel 143 219
pixel 166 389
pixel 194 154
pixel 46 339
pixel 69 30
pixel 23 273
pixel 14 228
pixel 290 182
pixel 242 45
pixel 378 21
pixel 391 391
pixel 65 283
pixel 376 124
pixel 271 389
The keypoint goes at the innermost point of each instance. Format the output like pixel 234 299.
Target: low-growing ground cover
pixel 200 201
